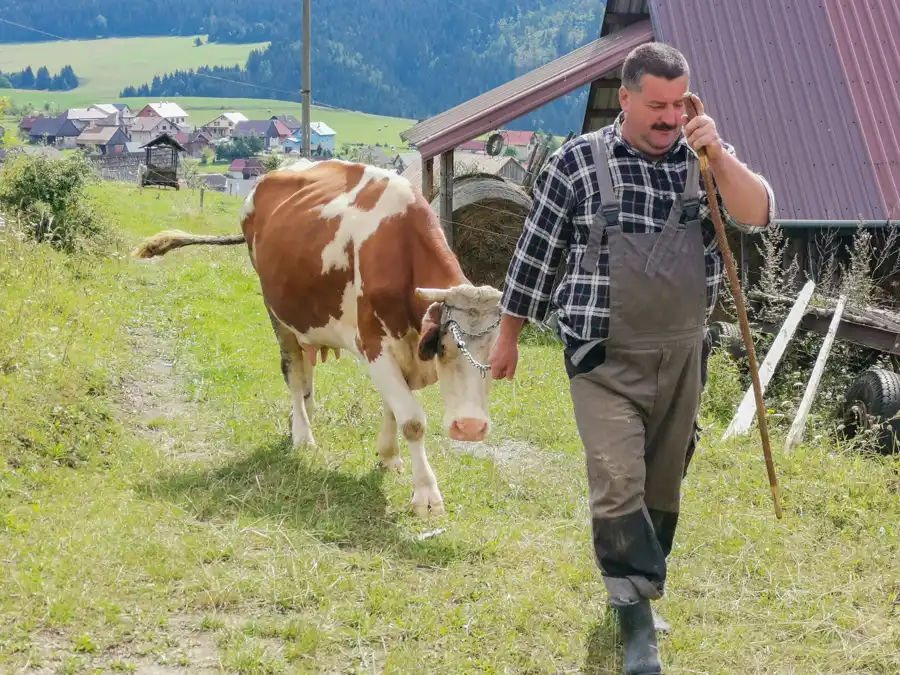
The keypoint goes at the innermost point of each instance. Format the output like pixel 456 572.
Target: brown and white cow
pixel 351 257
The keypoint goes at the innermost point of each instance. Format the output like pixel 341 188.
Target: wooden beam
pixel 428 179
pixel 447 195
pixel 742 419
pixel 796 432
pixel 616 20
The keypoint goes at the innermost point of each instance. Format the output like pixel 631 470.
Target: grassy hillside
pixel 106 66
pixel 155 518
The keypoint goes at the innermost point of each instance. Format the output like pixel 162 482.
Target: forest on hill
pixel 406 58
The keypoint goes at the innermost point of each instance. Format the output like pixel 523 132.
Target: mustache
pixel 662 126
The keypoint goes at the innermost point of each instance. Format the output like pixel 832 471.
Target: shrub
pixel 49 197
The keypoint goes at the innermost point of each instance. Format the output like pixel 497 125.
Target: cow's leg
pixel 387 446
pixel 410 417
pixel 298 375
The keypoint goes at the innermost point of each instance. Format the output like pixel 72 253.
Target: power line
pixel 13 23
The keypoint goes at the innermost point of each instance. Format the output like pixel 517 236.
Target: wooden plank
pixel 447 195
pixel 742 419
pixel 796 432
pixel 864 335
pixel 428 179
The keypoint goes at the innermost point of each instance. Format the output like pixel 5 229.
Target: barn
pixel 803 90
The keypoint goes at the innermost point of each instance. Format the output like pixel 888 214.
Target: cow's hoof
pixel 303 440
pixel 427 499
pixel 394 463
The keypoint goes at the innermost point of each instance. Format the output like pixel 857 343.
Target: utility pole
pixel 307 80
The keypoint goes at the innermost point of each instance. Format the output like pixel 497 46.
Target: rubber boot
pixel 639 639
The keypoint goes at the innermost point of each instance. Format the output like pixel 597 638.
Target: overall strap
pixel 608 213
pixel 687 203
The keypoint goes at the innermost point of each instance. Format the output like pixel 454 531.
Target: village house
pixel 165 110
pixel 274 131
pixel 520 141
pixel 195 142
pixel 321 140
pixel 117 114
pixel 59 131
pixel 103 140
pixel 289 121
pixel 223 125
pixel 145 128
pixel 85 115
pixel 246 168
pixel 28 122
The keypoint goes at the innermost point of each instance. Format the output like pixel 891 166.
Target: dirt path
pixel 153 402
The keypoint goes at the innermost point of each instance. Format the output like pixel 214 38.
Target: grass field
pixel 155 518
pixel 106 66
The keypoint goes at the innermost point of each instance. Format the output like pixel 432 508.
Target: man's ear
pixel 430 340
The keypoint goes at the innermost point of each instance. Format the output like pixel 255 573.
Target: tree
pixel 10 140
pixel 198 42
pixel 43 81
pixel 101 23
pixel 28 78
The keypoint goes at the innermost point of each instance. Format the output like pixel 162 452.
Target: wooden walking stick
pixel 710 187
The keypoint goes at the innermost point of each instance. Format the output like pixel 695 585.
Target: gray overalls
pixel 636 411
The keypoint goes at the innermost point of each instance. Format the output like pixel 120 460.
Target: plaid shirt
pixel 566 196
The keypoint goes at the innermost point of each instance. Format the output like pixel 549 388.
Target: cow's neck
pixel 434 266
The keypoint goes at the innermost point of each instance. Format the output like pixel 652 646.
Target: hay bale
pixel 489 213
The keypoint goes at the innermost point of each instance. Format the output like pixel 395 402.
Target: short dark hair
pixel 653 58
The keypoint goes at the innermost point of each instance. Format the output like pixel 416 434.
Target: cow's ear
pixel 430 339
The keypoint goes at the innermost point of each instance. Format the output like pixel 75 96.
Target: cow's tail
pixel 163 242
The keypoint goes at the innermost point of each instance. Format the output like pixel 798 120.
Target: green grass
pixel 106 66
pixel 153 512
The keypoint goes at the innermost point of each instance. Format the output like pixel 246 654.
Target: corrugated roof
pixel 235 117
pixel 462 161
pixel 518 97
pixel 769 72
pixel 98 134
pixel 108 108
pixel 167 109
pixel 867 35
pixel 146 123
pixel 49 126
pixel 85 114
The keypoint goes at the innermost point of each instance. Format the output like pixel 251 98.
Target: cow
pixel 351 257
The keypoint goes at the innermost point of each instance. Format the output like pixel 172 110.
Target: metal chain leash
pixel 458 331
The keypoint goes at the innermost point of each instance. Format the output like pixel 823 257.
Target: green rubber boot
pixel 639 639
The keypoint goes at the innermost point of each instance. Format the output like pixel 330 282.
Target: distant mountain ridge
pixel 401 58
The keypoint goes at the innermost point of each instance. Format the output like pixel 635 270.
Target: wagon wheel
pixel 494 145
pixel 874 399
pixel 728 336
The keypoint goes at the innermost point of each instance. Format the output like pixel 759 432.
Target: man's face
pixel 653 114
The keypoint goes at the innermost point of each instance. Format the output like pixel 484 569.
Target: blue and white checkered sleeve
pixel 529 278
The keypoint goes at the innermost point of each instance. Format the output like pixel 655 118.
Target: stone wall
pixel 119 167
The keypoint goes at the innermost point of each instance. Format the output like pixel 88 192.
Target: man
pixel 642 277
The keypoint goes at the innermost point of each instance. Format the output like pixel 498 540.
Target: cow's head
pixel 458 330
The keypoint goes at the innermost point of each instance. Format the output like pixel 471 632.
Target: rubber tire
pixel 878 390
pixel 728 336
